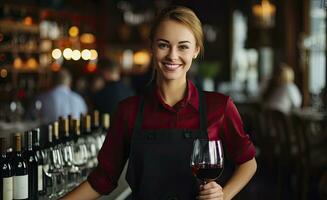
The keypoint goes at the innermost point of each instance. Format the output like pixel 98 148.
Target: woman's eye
pixel 162 45
pixel 183 47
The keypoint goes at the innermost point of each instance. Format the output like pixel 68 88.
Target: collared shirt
pixel 61 101
pixel 223 122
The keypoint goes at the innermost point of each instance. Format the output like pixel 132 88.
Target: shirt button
pixel 187 135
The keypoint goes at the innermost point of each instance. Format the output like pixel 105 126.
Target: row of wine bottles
pixel 52 169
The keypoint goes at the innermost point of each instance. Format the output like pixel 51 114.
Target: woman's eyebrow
pixel 162 40
pixel 181 42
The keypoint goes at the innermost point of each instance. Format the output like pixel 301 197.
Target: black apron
pixel 159 160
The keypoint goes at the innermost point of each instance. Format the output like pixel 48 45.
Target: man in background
pixel 61 100
pixel 114 90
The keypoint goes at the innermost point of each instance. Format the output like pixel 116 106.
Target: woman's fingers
pixel 211 191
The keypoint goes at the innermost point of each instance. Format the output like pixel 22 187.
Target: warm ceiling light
pixel 91 67
pixel 55 67
pixel 265 11
pixel 28 21
pixel 87 38
pixel 94 54
pixel 56 54
pixel 68 53
pixel 141 58
pixel 73 31
pixel 76 55
pixel 18 63
pixel 3 73
pixel 32 63
pixel 86 54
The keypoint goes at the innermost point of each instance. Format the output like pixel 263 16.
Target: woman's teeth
pixel 172 66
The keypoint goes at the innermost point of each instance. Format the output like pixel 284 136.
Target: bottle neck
pixel 18 144
pixel 36 138
pixel 50 134
pixel 3 146
pixel 29 142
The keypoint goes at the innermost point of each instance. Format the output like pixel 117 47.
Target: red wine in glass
pixel 207 172
pixel 207 159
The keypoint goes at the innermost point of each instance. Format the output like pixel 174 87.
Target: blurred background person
pixel 61 100
pixel 282 94
pixel 114 90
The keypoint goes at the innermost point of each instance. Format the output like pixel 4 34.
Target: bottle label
pixel 20 187
pixel 40 177
pixel 7 188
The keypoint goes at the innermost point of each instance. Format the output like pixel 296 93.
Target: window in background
pixel 244 61
pixel 316 43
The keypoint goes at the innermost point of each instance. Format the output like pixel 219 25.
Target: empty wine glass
pixel 207 160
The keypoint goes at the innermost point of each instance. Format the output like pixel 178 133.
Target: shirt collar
pixel 191 98
pixel 62 88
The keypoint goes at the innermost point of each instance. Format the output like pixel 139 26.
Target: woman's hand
pixel 211 190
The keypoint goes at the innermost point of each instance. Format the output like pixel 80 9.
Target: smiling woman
pixel 173 51
pixel 156 130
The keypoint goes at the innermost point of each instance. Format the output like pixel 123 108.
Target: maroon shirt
pixel 223 121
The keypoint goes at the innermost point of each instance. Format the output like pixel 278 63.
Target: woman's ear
pixel 197 51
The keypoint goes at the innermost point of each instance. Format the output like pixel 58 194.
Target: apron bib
pixel 159 160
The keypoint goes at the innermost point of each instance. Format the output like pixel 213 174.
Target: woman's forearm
pixel 242 175
pixel 83 192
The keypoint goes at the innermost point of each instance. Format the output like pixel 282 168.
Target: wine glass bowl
pixel 207 159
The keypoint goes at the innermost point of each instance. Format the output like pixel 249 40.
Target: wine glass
pixel 207 160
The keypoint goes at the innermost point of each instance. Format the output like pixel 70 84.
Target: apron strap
pixel 139 117
pixel 203 114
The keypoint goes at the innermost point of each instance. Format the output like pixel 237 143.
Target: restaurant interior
pixel 247 43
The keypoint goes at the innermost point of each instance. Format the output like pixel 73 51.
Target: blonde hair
pixel 286 74
pixel 184 16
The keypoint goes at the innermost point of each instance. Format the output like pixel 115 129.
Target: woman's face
pixel 173 48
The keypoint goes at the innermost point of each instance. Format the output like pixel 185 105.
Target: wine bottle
pixel 57 161
pixel 64 130
pixel 96 121
pixel 97 130
pixel 105 126
pixel 105 122
pixel 32 166
pixel 47 176
pixel 90 144
pixel 40 157
pixel 20 179
pixel 6 173
pixel 86 126
pixel 70 165
pixel 80 150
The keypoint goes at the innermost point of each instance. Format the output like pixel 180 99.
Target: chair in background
pixel 313 160
pixel 282 152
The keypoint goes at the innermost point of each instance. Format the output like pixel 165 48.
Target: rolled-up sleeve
pixel 238 144
pixel 112 156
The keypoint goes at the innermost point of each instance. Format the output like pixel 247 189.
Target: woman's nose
pixel 173 53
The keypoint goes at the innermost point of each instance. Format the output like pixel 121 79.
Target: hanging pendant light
pixel 264 13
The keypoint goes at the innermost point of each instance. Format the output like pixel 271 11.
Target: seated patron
pixel 282 93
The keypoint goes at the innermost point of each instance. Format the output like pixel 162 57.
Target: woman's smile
pixel 171 66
